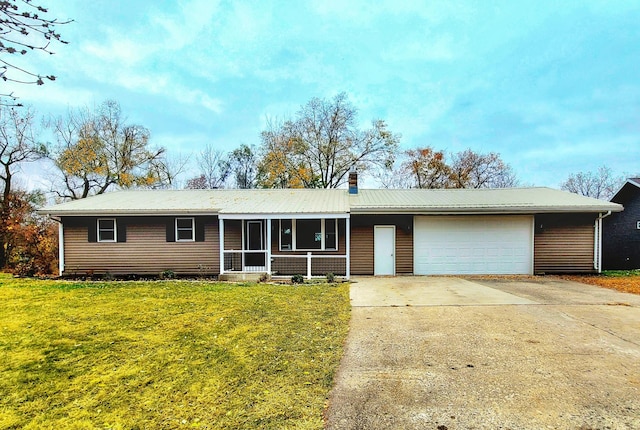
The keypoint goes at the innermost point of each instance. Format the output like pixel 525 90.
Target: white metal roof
pixel 496 200
pixel 322 201
pixel 172 202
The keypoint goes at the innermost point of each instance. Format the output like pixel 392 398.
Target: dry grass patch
pixel 167 354
pixel 627 281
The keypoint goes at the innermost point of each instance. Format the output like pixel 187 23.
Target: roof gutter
pixel 134 213
pixel 481 211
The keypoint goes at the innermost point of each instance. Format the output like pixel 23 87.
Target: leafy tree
pixel 97 151
pixel 31 240
pixel 214 170
pixel 243 165
pixel 283 163
pixel 24 27
pixel 321 144
pixel 17 145
pixel 425 168
pixel 600 184
pixel 470 169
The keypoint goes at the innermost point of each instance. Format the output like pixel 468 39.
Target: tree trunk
pixel 4 216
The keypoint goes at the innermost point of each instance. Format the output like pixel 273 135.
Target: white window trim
pixel 324 235
pixel 115 230
pixel 193 229
pixel 294 246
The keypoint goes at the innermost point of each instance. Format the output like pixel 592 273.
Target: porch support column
pixel 347 230
pixel 221 239
pixel 268 244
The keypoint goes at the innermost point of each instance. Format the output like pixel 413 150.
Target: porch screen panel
pixel 308 234
pixel 286 241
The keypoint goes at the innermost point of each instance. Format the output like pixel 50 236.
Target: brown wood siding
pixel 362 250
pixel 564 243
pixel 232 234
pixel 404 251
pixel 145 252
pixel 362 242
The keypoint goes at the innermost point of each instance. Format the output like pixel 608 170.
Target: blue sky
pixel 553 86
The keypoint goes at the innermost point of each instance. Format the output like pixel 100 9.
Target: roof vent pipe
pixel 353 181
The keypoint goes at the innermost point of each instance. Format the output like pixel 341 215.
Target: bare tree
pixel 391 176
pixel 243 165
pixel 98 150
pixel 17 145
pixel 214 167
pixel 168 169
pixel 24 28
pixel 600 184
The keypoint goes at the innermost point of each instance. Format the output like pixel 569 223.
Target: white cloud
pixel 55 94
pixel 364 12
pixel 185 28
pixel 438 49
pixel 117 49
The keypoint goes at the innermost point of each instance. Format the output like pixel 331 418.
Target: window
pixel 309 234
pixel 106 230
pixel 184 230
pixel 286 235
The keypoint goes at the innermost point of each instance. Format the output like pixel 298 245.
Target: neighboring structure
pixel 621 241
pixel 345 232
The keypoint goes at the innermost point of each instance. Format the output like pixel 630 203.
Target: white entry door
pixel 384 250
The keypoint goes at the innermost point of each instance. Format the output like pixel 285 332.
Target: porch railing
pixel 244 261
pixel 309 265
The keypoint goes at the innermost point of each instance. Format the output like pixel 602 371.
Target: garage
pixel 453 245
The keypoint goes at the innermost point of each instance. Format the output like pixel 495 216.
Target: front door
pixel 254 241
pixel 384 250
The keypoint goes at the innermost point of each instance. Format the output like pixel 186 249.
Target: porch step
pixel 241 276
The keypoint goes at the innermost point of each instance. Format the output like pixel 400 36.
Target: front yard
pixel 167 354
pixel 627 281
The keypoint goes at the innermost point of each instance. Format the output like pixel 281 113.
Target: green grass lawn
pixel 167 354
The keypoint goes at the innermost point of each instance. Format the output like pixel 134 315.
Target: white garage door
pixel 453 245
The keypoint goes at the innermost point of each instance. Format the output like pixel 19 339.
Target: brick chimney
pixel 353 181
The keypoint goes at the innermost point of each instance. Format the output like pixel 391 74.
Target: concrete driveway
pixel 450 353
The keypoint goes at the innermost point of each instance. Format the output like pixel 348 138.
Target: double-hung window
pixel 185 230
pixel 107 230
pixel 309 234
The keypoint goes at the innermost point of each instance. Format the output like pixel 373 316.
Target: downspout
pixel 597 249
pixel 60 244
pixel 221 240
pixel 347 222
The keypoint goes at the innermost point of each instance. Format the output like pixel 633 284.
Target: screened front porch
pixel 312 246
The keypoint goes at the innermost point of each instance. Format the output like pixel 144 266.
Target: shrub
pixel 297 279
pixel 167 274
pixel 23 265
pixel 331 278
